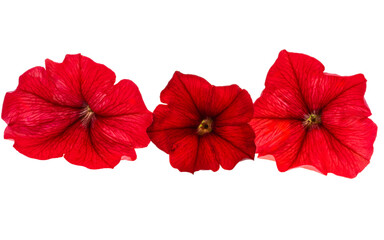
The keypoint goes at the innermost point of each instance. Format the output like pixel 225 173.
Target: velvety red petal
pixel 169 126
pixel 184 155
pixel 229 153
pixel 78 77
pixel 237 112
pixel 241 137
pixel 195 97
pixel 193 153
pixel 181 94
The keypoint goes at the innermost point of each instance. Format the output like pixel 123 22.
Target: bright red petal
pixel 33 122
pixel 341 143
pixel 283 96
pixel 123 112
pixel 80 78
pixel 48 114
pixel 96 148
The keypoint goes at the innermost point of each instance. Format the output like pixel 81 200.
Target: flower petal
pixel 122 113
pixel 356 135
pixel 184 155
pixel 94 149
pixel 33 122
pixel 280 138
pixel 228 153
pixel 194 153
pixel 182 91
pixel 169 126
pixel 283 96
pixel 236 112
pixel 346 103
pixel 81 78
pixel 241 137
pixel 325 151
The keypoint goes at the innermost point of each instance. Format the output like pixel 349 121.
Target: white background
pixel 224 42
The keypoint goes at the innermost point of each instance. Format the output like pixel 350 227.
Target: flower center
pixel 86 115
pixel 312 119
pixel 205 126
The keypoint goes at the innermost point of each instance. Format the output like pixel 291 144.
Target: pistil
pixel 312 119
pixel 86 115
pixel 205 126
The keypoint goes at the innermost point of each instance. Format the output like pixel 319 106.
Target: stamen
pixel 205 126
pixel 312 119
pixel 86 115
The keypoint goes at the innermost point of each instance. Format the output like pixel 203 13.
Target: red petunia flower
pixel 74 109
pixel 203 126
pixel 305 117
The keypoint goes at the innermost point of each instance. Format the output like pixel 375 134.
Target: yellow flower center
pixel 205 126
pixel 312 119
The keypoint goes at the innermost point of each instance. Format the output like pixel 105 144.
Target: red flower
pixel 74 108
pixel 306 117
pixel 203 126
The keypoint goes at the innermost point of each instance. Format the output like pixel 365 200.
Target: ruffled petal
pixel 283 96
pixel 123 112
pixel 80 78
pixel 33 122
pixel 346 103
pixel 196 98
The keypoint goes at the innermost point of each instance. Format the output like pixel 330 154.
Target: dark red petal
pixel 79 77
pixel 194 153
pixel 229 153
pixel 195 97
pixel 182 91
pixel 184 155
pixel 241 137
pixel 237 112
pixel 169 126
pixel 33 122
